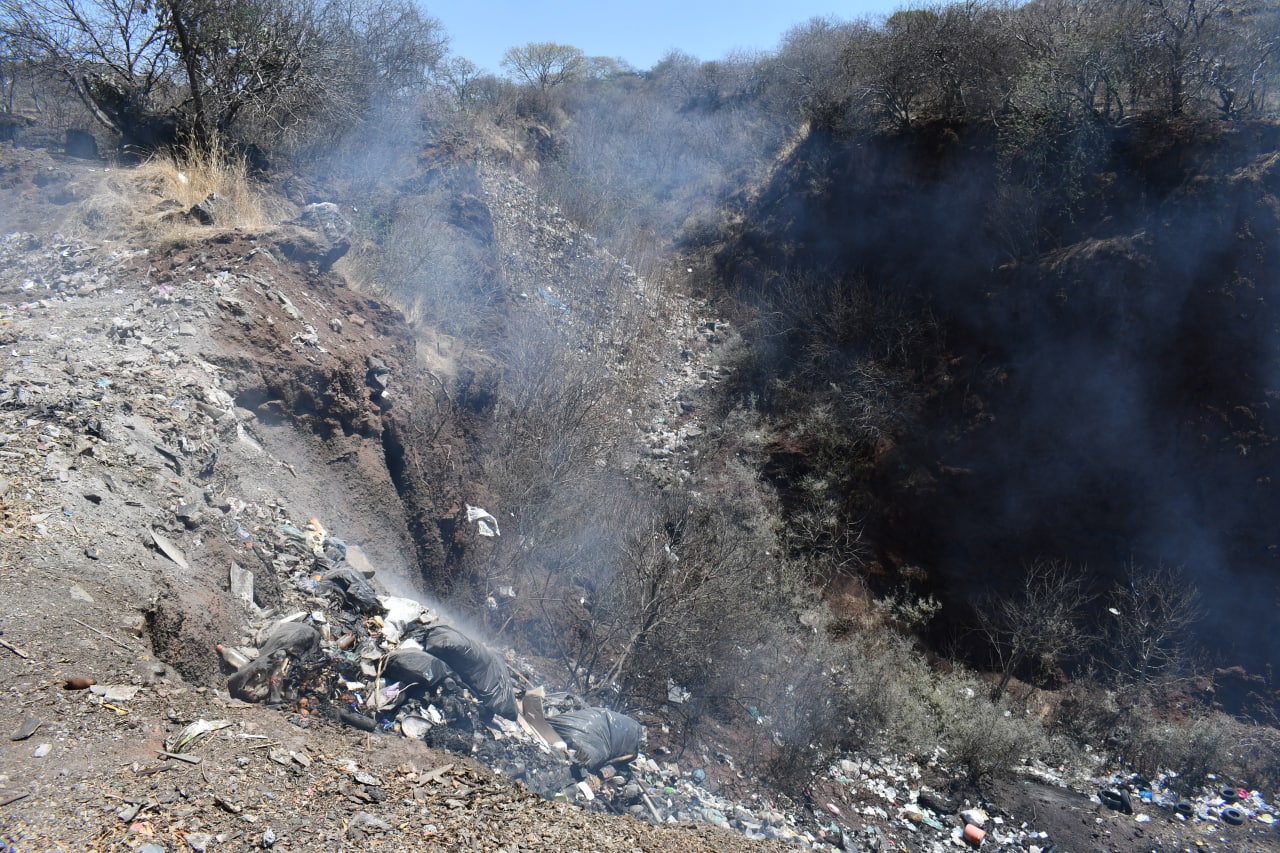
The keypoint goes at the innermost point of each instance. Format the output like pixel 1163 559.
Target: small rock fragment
pixel 27 729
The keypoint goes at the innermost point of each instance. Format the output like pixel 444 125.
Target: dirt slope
pixel 161 412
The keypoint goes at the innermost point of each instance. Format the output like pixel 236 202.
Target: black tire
pixel 1112 799
pixel 1185 808
pixel 1232 815
pixel 1230 794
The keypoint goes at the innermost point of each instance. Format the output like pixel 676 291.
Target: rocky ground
pixel 166 411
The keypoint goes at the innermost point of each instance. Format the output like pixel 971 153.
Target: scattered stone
pixel 199 841
pixel 209 211
pixel 27 729
pixel 364 822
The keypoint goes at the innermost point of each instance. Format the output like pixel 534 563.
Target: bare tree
pixel 460 77
pixel 1152 612
pixel 286 65
pixel 545 65
pixel 1246 59
pixel 268 67
pixel 113 53
pixel 1038 626
pixel 897 63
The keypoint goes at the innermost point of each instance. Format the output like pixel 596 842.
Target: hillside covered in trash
pixel 175 610
pixel 865 445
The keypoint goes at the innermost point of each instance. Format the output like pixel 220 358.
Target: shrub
pixel 1193 749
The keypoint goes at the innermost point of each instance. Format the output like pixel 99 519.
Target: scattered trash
pixel 354 587
pixel 115 692
pixel 552 301
pixel 242 584
pixel 261 680
pixel 486 524
pixel 193 732
pixel 170 550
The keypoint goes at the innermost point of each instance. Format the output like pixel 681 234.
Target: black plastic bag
pixel 358 591
pixel 484 673
pixel 410 666
pixel 256 681
pixel 597 735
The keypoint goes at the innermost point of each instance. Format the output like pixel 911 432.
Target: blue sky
pixel 639 32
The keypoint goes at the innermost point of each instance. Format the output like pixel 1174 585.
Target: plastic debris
pixel 187 738
pixel 598 736
pixel 486 524
pixel 484 673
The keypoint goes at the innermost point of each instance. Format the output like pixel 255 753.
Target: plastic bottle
pixel 231 656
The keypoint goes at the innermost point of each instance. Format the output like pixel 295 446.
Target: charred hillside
pixel 1085 376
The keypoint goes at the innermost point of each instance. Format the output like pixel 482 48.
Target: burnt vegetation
pixel 1001 280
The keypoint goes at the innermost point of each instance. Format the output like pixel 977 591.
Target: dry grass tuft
pixel 153 197
pixel 192 174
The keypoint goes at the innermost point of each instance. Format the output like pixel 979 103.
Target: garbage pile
pixel 394 665
pixel 1215 803
pixel 391 664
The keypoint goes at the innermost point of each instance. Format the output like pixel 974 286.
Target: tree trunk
pixel 200 127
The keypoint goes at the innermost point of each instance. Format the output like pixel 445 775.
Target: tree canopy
pixel 546 64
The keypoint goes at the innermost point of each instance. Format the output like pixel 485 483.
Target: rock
pixel 364 822
pixel 27 729
pixel 320 235
pixel 209 211
pixel 81 144
pixel 199 841
pixel 325 218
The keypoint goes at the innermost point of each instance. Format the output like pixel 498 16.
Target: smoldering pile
pixel 394 665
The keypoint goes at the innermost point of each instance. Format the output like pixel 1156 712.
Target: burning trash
pixel 392 664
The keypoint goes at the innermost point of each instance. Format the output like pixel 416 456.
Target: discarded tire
pixel 1185 808
pixel 1115 800
pixel 1230 794
pixel 1232 815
